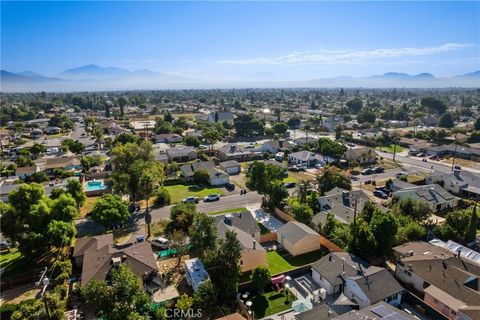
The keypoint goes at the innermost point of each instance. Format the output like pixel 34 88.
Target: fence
pixel 283 215
pixel 329 245
pixel 272 236
pixel 421 307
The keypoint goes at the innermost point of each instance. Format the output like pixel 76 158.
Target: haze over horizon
pixel 242 43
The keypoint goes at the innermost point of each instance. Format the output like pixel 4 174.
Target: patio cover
pixel 342 300
pixel 301 306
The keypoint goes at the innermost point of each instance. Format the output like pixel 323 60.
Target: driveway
pixel 265 218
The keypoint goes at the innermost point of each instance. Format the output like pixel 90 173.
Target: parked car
pixel 367 171
pixel 290 185
pixel 457 167
pixel 191 200
pixel 378 169
pixel 401 174
pixel 140 238
pixel 161 242
pixel 230 186
pixel 380 194
pixel 5 244
pixel 211 197
pixel 318 166
pixel 421 154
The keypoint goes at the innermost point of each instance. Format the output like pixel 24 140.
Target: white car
pixel 401 174
pixel 211 197
pixel 191 200
pixel 161 242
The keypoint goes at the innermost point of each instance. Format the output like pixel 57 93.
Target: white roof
pixel 196 272
pixel 454 247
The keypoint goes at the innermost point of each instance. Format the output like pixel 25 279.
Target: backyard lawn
pixel 281 261
pixel 181 191
pixel 88 206
pixel 13 262
pixel 271 302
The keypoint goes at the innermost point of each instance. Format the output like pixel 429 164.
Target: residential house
pixel 143 128
pixel 436 197
pixel 297 238
pixel 52 130
pixel 447 282
pixel 330 123
pixel 341 203
pixel 274 146
pixel 277 164
pixel 181 154
pixel 360 282
pixel 231 167
pixel 67 162
pixel 216 177
pixel 379 310
pixel 308 158
pixel 235 152
pixel 25 172
pixel 221 116
pixel 454 150
pixel 304 140
pixel 36 134
pixel 398 185
pixel 253 254
pixel 98 255
pixel 362 155
pixel 168 138
pixel 195 273
pixel 463 183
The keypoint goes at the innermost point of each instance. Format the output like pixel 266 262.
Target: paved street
pixel 227 202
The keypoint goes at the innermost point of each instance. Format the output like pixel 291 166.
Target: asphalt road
pixel 87 226
pixel 227 202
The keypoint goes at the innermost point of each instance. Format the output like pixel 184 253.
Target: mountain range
pixel 94 77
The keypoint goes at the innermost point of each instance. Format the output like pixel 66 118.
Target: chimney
pixel 254 245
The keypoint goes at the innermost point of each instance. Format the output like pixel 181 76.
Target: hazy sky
pixel 247 40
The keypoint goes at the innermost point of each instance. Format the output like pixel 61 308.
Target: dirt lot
pixel 462 162
pixel 19 294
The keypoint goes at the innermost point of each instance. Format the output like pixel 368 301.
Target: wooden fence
pixel 283 215
pixel 329 245
pixel 272 236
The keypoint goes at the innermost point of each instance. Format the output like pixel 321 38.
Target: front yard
pixel 271 302
pixel 13 262
pixel 233 210
pixel 281 261
pixel 389 149
pixel 180 191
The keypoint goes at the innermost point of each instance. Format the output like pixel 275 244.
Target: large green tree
pixel 332 177
pixel 203 233
pixel 123 298
pixel 109 210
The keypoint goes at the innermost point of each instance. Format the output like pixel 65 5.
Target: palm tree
pixel 148 184
pixel 302 190
pixel 98 134
pixel 306 127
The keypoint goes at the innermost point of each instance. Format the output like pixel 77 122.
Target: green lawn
pixel 389 149
pixel 181 191
pixel 271 302
pixel 13 262
pixel 233 210
pixel 281 261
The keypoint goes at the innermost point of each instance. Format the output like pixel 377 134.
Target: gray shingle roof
pixel 295 231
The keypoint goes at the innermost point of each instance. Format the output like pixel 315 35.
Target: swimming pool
pixel 95 185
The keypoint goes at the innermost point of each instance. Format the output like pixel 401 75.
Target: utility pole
pixel 354 231
pixel 455 152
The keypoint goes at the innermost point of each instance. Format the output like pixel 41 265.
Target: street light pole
pixel 455 152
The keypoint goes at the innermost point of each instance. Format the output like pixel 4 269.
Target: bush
pixel 201 176
pixel 162 197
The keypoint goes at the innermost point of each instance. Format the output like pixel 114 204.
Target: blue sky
pixel 243 40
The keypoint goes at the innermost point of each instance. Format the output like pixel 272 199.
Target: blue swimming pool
pixel 95 185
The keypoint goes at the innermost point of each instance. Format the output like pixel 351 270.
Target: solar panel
pixel 381 311
pixel 387 313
